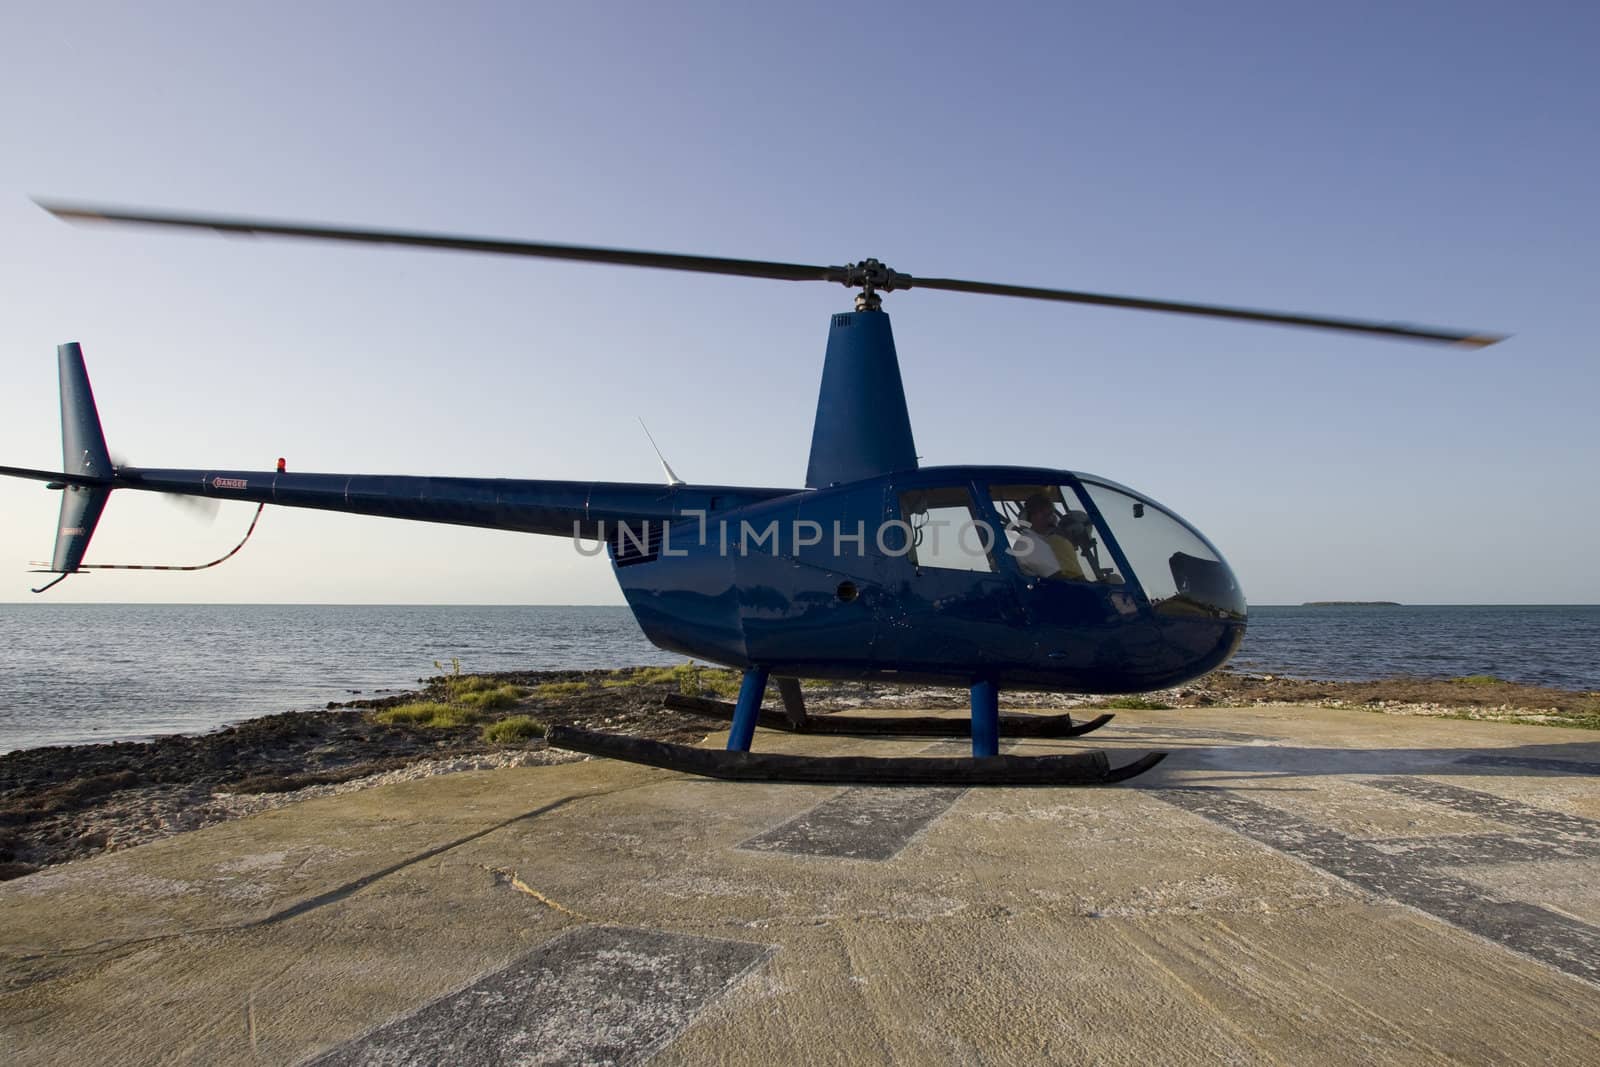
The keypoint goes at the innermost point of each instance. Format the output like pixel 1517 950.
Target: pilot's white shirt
pixel 1034 555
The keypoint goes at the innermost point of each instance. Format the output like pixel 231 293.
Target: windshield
pixel 1181 574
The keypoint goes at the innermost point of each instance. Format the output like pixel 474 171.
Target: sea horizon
pixel 73 673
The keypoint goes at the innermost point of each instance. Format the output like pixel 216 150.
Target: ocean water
pixel 1554 645
pixel 75 673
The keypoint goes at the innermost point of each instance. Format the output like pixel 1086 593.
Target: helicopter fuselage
pixel 921 577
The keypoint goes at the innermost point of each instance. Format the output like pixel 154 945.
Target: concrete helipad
pixel 1292 886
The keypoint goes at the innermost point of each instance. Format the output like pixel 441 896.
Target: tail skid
pixel 165 566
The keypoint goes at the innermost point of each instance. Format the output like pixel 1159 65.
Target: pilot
pixel 1041 550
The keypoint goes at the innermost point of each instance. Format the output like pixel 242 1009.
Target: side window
pixel 945 531
pixel 1050 534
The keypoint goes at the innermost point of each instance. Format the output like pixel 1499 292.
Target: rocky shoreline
pixel 64 803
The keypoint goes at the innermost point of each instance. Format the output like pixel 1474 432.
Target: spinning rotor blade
pixel 748 268
pixel 203 508
pixel 868 275
pixel 1399 330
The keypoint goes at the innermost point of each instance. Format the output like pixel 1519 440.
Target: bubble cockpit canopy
pixel 1090 530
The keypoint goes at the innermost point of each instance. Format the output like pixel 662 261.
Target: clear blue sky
pixel 1430 162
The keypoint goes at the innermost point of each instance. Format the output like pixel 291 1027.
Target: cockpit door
pixel 951 601
pixel 1063 568
pixel 1075 588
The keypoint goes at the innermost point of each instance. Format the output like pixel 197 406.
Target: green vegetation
pixel 723 683
pixel 690 679
pixel 695 680
pixel 553 690
pixel 464 699
pixel 449 678
pixel 1580 719
pixel 454 699
pixel 426 713
pixel 516 728
pixel 1577 722
pixel 497 698
pixel 461 688
pixel 1479 679
pixel 1134 704
pixel 648 676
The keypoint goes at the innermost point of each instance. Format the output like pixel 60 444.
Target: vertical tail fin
pixel 83 453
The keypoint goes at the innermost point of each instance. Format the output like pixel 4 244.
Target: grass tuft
pixel 695 680
pixel 427 714
pixel 690 679
pixel 516 728
pixel 1134 704
pixel 647 676
pixel 1479 679
pixel 551 690
pixel 492 699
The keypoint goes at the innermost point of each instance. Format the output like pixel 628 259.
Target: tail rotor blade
pixel 203 508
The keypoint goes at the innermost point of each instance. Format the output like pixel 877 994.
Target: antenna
pixel 672 477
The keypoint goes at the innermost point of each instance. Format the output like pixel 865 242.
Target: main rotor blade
pixel 748 268
pixel 869 272
pixel 1217 311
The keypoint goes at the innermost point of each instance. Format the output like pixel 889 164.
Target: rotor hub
pixel 870 276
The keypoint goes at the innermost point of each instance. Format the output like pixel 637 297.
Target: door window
pixel 944 531
pixel 1050 534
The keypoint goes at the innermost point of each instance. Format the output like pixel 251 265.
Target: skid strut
pixel 985 719
pixel 748 710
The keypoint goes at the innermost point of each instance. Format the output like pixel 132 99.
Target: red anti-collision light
pixel 282 466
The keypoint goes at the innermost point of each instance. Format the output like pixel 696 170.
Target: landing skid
pixel 889 726
pixel 1086 768
pixel 984 767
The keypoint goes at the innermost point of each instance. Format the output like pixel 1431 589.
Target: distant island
pixel 1351 604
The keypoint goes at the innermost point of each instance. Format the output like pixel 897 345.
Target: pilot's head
pixel 1039 513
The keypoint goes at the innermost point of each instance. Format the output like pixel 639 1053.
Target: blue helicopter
pixel 990 578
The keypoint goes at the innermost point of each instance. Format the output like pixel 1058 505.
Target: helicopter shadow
pixel 1270 758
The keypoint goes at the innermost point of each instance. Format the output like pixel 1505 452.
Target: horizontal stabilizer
pixel 54 476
